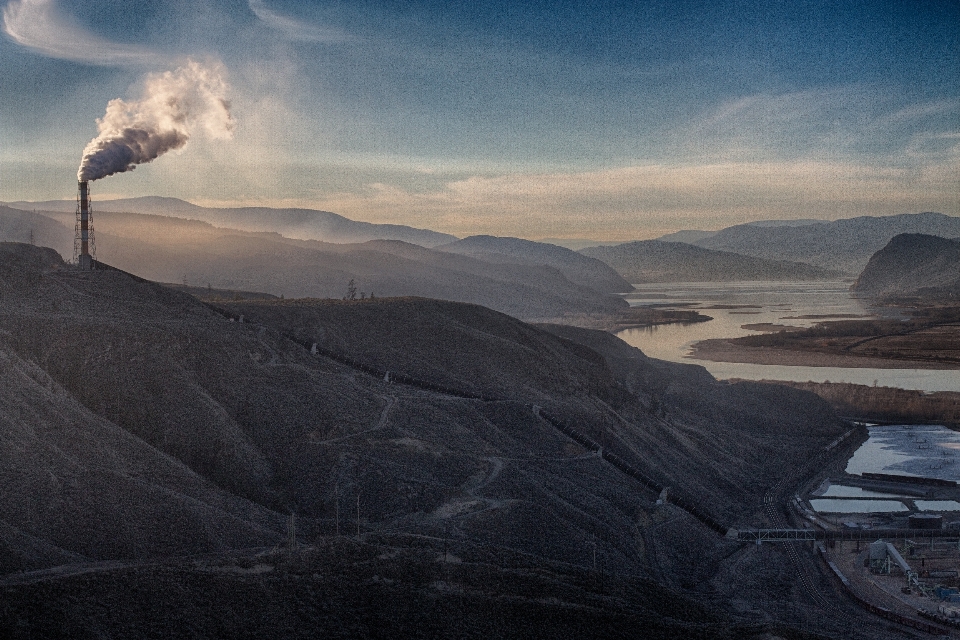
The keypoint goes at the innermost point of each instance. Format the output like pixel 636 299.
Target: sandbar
pixel 723 350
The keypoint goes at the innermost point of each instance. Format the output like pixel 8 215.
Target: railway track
pixel 774 503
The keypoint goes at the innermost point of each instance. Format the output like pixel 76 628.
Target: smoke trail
pixel 174 106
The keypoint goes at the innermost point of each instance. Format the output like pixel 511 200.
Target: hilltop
pixel 912 264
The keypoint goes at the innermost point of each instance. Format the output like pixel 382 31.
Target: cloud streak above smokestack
pixel 295 29
pixel 38 25
pixel 175 106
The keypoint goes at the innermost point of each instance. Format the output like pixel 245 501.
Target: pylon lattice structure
pixel 84 244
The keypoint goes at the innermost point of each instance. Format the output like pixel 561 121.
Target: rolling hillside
pixel 843 245
pixel 143 426
pixel 657 261
pixel 168 249
pixel 578 268
pixel 305 224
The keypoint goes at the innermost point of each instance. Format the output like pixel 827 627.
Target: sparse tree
pixel 351 290
pixel 363 296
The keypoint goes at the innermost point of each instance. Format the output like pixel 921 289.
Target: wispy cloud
pixel 296 29
pixel 38 25
pixel 838 123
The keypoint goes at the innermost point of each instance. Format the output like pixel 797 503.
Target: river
pixel 784 303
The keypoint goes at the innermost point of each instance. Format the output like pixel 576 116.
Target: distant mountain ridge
pixel 171 249
pixel 845 245
pixel 692 236
pixel 576 267
pixel 305 224
pixel 658 261
pixel 913 263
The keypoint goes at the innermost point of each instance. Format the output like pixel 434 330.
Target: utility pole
pixel 292 531
pixel 336 492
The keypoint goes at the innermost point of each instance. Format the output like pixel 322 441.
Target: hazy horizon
pixel 536 120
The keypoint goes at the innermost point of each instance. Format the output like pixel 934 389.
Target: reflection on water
pixel 929 451
pixel 783 303
pixel 828 505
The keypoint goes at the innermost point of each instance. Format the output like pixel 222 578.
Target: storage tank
pixel 926 521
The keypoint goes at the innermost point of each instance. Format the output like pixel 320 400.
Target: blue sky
pixel 602 120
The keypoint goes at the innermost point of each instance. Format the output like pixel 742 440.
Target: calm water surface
pixel 767 302
pixel 930 451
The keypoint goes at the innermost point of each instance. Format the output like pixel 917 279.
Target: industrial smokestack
pixel 174 106
pixel 83 239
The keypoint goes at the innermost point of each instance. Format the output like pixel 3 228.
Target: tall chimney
pixel 83 240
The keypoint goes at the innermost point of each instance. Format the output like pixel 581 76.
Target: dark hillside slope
pixel 581 269
pixel 592 378
pixel 494 355
pixel 844 245
pixel 143 423
pixel 658 261
pixel 912 262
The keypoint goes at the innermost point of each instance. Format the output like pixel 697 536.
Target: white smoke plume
pixel 175 105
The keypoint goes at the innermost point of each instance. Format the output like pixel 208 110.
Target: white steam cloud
pixel 175 105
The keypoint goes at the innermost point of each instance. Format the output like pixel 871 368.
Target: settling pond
pixel 928 451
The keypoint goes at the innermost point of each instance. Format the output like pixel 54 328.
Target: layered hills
pixel 576 267
pixel 912 264
pixel 659 261
pixel 143 425
pixel 305 224
pixel 842 245
pixel 168 249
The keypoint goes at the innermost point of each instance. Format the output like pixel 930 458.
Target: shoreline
pixel 724 350
pixel 630 318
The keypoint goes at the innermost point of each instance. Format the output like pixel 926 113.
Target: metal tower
pixel 84 245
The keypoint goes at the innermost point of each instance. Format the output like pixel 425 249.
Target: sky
pixel 599 120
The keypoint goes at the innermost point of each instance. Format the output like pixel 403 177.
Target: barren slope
pixel 171 427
